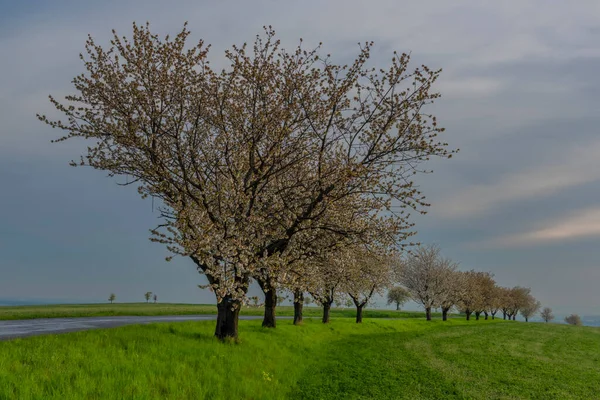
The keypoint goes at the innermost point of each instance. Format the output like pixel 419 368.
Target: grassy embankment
pixel 380 359
pixel 104 310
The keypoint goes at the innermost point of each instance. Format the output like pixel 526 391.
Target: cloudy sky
pixel 520 98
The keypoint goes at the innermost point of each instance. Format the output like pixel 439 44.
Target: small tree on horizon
pixel 112 297
pixel 155 298
pixel 148 295
pixel 547 315
pixel 531 308
pixel 397 295
pixel 573 319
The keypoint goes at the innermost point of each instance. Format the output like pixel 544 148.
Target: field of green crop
pixel 379 359
pixel 103 310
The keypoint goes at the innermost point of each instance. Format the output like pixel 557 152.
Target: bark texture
pixel 359 313
pixel 270 303
pixel 445 314
pixel 326 309
pixel 298 306
pixel 228 312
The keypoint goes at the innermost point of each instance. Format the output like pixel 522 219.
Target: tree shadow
pixel 187 334
pixel 373 367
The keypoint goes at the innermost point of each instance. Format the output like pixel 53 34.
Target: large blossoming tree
pixel 252 163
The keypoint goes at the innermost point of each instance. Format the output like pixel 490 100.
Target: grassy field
pixel 380 359
pixel 103 310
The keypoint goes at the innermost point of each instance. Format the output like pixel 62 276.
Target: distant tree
pixel 369 271
pixel 531 308
pixel 426 276
pixel 495 303
pixel 112 298
pixel 456 287
pixel 547 315
pixel 476 293
pixel 573 319
pixel 329 277
pixel 307 300
pixel 516 298
pixel 398 295
pixel 485 285
pixel 155 298
pixel 469 294
pixel 148 296
pixel 503 296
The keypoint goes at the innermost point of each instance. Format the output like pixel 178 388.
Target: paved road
pixel 44 326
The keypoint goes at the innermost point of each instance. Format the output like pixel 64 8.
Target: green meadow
pixel 151 309
pixel 378 359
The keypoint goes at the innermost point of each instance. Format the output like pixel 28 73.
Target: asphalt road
pixel 45 326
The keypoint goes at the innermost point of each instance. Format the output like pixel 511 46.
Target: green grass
pixel 379 359
pixel 104 310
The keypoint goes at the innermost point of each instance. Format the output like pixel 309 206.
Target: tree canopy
pixel 276 158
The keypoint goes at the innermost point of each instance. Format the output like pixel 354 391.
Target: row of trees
pixel 283 168
pixel 435 282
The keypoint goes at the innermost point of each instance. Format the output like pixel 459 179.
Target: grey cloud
pixel 519 89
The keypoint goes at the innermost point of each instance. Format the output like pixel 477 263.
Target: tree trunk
pixel 428 313
pixel 526 319
pixel 494 315
pixel 228 312
pixel 486 315
pixel 445 314
pixel 326 308
pixel 228 309
pixel 503 315
pixel 469 315
pixel 397 306
pixel 270 304
pixel 515 317
pixel 298 306
pixel 477 314
pixel 359 310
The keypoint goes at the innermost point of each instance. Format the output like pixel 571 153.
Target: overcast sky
pixel 520 98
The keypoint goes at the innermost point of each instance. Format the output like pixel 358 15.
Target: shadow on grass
pixel 186 334
pixel 373 367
